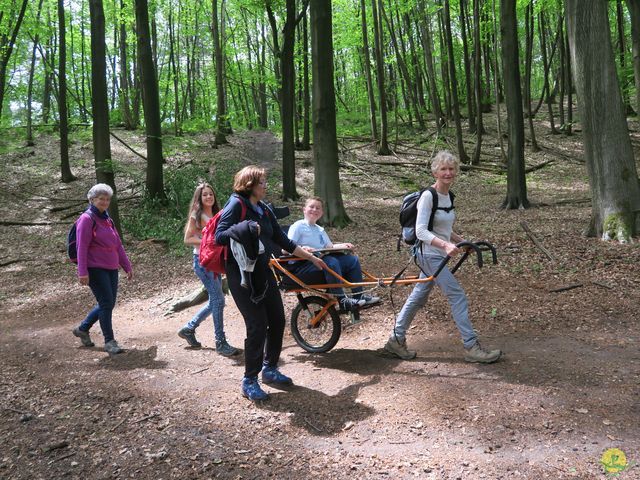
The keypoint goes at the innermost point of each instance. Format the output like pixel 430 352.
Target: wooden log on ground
pixel 535 241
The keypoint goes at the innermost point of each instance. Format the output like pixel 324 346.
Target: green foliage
pixel 166 220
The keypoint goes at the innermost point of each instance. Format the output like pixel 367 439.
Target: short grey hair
pixel 444 157
pixel 99 189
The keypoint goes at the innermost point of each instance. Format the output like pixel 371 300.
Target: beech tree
pixel 151 100
pixel 325 144
pixel 615 190
pixel 100 107
pixel 516 179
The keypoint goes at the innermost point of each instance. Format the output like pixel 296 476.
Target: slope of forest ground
pixel 565 391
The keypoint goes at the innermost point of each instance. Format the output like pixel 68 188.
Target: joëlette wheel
pixel 315 336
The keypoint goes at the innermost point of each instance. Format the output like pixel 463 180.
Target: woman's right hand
pixel 451 249
pixel 84 280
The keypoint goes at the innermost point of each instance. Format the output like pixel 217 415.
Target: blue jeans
pixel 347 266
pixel 104 285
pixel 420 294
pixel 215 307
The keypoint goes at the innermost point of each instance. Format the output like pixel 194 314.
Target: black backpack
pixel 409 213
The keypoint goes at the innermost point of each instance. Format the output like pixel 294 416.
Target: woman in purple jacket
pixel 100 254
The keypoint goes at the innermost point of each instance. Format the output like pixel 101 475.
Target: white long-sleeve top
pixel 442 222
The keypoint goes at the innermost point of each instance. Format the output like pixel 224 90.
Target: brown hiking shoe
pixel 399 349
pixel 477 354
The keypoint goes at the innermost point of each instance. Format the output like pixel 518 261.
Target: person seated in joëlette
pixel 312 237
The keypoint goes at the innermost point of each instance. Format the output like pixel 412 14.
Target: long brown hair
pixel 196 204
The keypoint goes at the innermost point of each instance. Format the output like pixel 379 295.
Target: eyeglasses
pixel 262 183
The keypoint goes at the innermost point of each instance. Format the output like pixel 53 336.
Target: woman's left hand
pixel 318 262
pixel 130 275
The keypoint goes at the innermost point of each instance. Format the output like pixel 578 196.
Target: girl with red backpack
pixel 204 205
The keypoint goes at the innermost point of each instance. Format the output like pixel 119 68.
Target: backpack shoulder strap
pixel 434 195
pixel 243 206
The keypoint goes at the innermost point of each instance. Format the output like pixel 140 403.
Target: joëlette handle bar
pixel 478 248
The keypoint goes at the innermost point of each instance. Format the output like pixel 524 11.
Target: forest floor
pixel 565 391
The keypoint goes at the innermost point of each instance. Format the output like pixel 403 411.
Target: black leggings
pixel 264 322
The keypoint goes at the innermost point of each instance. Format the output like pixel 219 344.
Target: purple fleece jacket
pixel 100 250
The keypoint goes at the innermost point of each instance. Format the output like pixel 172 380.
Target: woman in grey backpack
pixel 433 246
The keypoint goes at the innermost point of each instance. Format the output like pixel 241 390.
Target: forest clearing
pixel 565 391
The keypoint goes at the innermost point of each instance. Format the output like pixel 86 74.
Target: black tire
pixel 324 336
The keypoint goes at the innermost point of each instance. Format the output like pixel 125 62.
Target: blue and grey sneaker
pixel 251 389
pixel 190 336
pixel 370 299
pixel 271 375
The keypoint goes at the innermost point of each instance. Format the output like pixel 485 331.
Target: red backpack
pixel 213 256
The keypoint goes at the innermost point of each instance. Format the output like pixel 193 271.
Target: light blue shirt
pixel 305 234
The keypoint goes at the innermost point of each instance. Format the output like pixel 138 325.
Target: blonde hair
pixel 444 157
pixel 247 178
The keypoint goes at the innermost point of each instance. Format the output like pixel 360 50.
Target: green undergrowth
pixel 165 220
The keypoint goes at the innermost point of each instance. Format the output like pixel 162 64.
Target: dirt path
pixel 566 391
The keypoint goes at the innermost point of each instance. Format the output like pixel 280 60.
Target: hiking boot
pixel 190 336
pixel 271 375
pixel 370 299
pixel 83 336
pixel 350 303
pixel 251 389
pixel 477 354
pixel 224 349
pixel 399 349
pixel 112 347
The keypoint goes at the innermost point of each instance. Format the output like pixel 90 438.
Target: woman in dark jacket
pixel 259 302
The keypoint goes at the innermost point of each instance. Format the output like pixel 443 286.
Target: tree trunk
pixel 65 168
pixel 125 82
pixel 561 73
pixel 527 72
pixel 174 72
pixel 411 100
pixel 496 82
pixel 221 113
pixel 286 92
pixel 569 86
pixel 427 47
pixel 83 68
pixel 634 13
pixel 373 121
pixel 467 66
pixel 546 62
pixel 516 179
pixel 306 94
pixel 151 100
pixel 477 77
pixel 32 69
pixel 6 48
pixel 462 154
pixel 383 145
pixel 100 107
pixel 615 190
pixel 325 141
